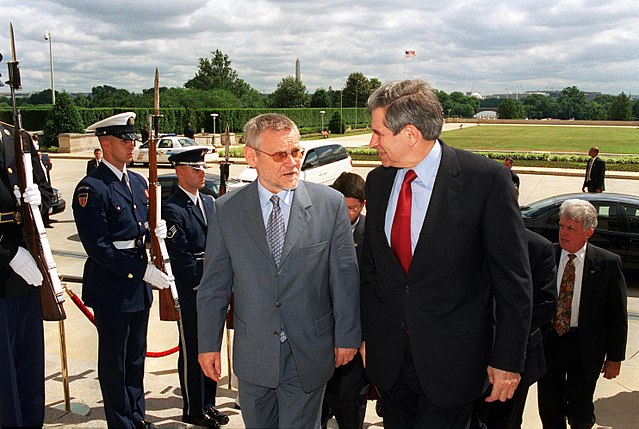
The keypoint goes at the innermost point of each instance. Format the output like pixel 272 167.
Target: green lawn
pixel 610 140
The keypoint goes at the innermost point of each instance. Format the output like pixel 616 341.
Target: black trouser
pixel 566 390
pixel 346 395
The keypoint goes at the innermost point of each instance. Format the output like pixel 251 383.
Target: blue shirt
pixel 286 198
pixel 422 188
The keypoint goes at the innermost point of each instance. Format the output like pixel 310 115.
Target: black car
pixel 57 203
pixel 169 183
pixel 617 229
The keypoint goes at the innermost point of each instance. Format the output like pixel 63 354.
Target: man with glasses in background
pixel 285 250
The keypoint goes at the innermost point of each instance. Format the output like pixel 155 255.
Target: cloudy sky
pixel 489 46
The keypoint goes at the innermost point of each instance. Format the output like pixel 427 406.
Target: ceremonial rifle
pixel 35 236
pixel 169 302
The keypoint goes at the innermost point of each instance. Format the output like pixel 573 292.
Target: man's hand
pixel 504 384
pixel 157 277
pixel 583 189
pixel 343 356
pixel 211 365
pixel 611 369
pixel 26 267
pixel 362 351
pixel 160 229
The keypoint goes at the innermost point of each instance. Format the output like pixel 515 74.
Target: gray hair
pixel 409 102
pixel 580 211
pixel 258 125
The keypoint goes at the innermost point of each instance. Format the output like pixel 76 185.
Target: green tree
pixel 321 98
pixel 217 73
pixel 289 93
pixel 510 109
pixel 42 97
pixel 336 125
pixel 635 109
pixel 539 106
pixel 572 103
pixel 621 108
pixel 63 118
pixel 357 89
pixel 109 96
pixel 82 101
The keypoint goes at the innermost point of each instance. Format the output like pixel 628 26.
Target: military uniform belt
pixel 10 217
pixel 134 243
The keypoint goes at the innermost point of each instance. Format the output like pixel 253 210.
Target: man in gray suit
pixel 284 248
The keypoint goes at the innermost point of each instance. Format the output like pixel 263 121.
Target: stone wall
pixel 73 143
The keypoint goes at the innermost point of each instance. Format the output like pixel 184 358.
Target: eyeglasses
pixel 296 153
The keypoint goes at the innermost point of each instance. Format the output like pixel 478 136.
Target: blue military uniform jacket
pixel 105 212
pixel 186 238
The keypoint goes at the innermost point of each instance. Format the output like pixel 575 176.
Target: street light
pixel 47 36
pixel 214 116
pixel 322 113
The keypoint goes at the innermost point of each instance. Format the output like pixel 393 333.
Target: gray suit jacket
pixel 314 294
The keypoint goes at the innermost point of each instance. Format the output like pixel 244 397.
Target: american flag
pixel 409 54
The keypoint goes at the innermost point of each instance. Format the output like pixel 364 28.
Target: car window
pixel 168 187
pixel 340 152
pixel 312 160
pixel 187 142
pixel 165 144
pixel 325 154
pixel 607 217
pixel 632 214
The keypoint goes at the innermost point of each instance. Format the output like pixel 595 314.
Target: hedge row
pixel 174 119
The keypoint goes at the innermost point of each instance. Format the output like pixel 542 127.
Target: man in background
pixel 588 333
pixel 595 172
pixel 92 164
pixel 186 213
pixel 347 390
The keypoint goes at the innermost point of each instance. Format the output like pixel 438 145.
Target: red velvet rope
pixel 85 310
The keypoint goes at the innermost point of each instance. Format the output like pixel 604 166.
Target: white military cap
pixel 121 125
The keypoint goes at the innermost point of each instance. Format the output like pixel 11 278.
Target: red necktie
pixel 400 232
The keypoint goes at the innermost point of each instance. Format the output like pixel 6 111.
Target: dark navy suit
pixel 21 331
pixel 186 242
pixel 106 211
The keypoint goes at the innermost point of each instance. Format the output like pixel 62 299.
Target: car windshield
pixel 187 142
pixel 537 205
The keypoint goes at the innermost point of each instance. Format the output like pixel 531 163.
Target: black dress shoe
pixel 143 424
pixel 202 421
pixel 214 414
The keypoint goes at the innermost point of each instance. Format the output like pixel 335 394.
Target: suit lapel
pixel 118 186
pixel 444 201
pixel 589 281
pixel 377 223
pixel 253 221
pixel 298 218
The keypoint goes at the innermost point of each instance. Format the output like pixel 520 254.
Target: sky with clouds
pixel 489 46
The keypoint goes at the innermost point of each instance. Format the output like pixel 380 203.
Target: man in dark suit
pixel 186 213
pixel 595 172
pixel 110 211
pixel 444 249
pixel 588 334
pixel 347 390
pixel 543 267
pixel 283 247
pixel 92 164
pixel 21 331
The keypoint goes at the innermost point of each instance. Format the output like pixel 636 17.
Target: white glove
pixel 25 266
pixel 32 195
pixel 157 278
pixel 160 229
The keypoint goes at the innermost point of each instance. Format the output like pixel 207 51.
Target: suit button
pixel 135 207
pixel 406 289
pixel 278 304
pixel 130 276
pixel 139 223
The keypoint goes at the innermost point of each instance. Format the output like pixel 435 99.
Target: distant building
pixel 298 70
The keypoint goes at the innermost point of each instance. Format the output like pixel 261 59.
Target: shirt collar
pixel 429 165
pixel 580 254
pixel 193 197
pixel 286 196
pixel 117 172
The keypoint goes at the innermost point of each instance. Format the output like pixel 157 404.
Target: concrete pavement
pixel 616 399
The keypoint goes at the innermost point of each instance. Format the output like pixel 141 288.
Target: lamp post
pixel 214 116
pixel 322 113
pixel 47 36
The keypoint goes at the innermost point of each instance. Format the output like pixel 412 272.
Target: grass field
pixel 610 140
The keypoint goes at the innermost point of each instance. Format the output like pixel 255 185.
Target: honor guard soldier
pixel 185 213
pixel 21 330
pixel 110 207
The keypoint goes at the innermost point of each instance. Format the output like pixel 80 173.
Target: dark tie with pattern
pixel 275 233
pixel 561 322
pixel 125 181
pixel 400 232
